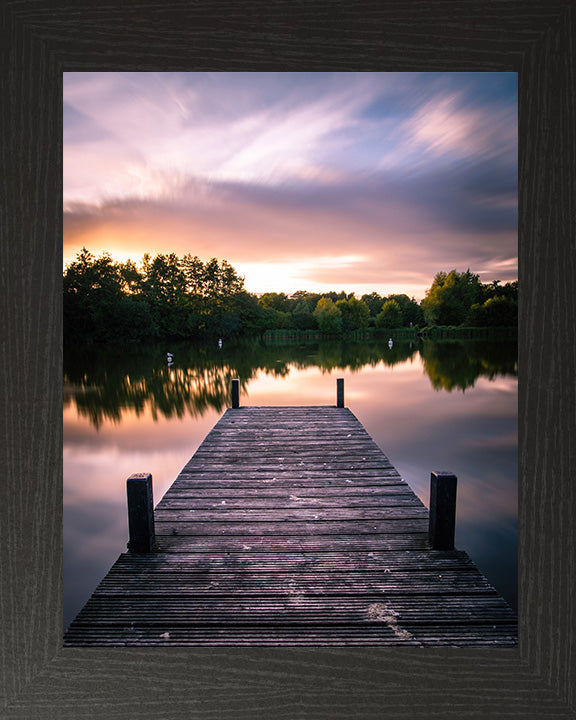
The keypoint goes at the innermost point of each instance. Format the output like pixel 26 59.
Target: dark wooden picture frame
pixel 40 40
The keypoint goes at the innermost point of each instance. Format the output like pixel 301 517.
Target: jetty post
pixel 340 392
pixel 140 513
pixel 235 393
pixel 442 522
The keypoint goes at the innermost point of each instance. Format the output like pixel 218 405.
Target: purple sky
pixel 302 181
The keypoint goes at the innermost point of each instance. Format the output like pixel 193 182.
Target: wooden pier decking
pixel 289 526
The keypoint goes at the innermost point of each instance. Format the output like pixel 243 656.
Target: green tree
pixel 101 300
pixel 167 297
pixel 410 309
pixel 212 279
pixel 390 316
pixel 246 308
pixel 276 301
pixel 495 289
pixel 495 312
pixel 450 297
pixel 276 319
pixel 303 317
pixel 334 296
pixel 310 298
pixel 374 303
pixel 164 288
pixel 193 269
pixel 230 282
pixel 355 314
pixel 131 277
pixel 328 316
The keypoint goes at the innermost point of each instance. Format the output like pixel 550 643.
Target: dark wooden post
pixel 235 393
pixel 140 513
pixel 442 510
pixel 340 392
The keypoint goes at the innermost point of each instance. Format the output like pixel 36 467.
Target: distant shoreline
pixel 430 333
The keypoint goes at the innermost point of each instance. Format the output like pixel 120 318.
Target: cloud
pixel 438 128
pixel 374 221
pixel 151 123
pixel 459 125
pixel 412 173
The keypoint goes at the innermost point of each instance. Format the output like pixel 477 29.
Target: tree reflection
pixel 456 365
pixel 104 381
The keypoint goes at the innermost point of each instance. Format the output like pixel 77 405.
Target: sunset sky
pixel 302 181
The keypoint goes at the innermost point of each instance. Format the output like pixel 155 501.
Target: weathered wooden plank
pixel 345 608
pixel 224 513
pixel 348 491
pixel 287 443
pixel 295 584
pixel 263 462
pixel 313 445
pixel 212 450
pixel 217 544
pixel 109 610
pixel 316 528
pixel 271 627
pixel 303 639
pixel 283 484
pixel 383 632
pixel 293 561
pixel 363 447
pixel 282 479
pixel 194 502
pixel 322 470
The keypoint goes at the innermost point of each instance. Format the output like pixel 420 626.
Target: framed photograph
pixel 283 235
pixel 43 48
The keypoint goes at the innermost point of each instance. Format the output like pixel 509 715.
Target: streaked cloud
pixel 448 126
pixel 406 173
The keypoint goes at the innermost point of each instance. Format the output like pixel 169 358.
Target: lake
pixel 450 405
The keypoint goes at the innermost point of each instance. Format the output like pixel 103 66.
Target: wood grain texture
pixel 39 679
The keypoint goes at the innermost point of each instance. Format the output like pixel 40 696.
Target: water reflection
pixel 428 406
pixel 457 365
pixel 103 382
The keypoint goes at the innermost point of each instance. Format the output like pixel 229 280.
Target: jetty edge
pixel 290 527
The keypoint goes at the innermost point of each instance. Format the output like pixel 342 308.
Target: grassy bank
pixel 439 332
pixel 284 335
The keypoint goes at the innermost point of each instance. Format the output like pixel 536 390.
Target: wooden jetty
pixel 289 526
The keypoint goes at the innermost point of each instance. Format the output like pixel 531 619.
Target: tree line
pixel 168 296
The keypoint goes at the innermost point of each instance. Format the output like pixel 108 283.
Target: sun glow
pixel 261 277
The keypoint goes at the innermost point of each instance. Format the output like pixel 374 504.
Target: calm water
pixel 429 406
